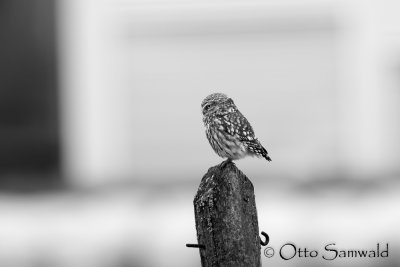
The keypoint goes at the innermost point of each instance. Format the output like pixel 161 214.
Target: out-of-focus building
pixel 317 79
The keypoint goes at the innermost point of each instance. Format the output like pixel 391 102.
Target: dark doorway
pixel 29 117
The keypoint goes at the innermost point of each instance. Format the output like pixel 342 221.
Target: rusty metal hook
pixel 264 243
pixel 195 246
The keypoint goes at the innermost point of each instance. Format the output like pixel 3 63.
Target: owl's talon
pixel 223 164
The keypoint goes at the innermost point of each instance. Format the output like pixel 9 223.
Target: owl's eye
pixel 206 107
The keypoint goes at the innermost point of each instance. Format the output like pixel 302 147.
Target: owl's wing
pixel 235 124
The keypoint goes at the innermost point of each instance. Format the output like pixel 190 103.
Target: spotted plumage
pixel 228 131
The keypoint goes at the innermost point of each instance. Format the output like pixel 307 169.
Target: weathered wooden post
pixel 226 219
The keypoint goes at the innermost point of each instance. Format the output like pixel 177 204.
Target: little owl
pixel 228 131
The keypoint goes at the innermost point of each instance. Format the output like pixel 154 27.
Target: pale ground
pixel 149 226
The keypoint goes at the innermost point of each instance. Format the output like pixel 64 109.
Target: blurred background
pixel 102 145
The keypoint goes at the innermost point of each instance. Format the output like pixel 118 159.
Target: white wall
pixel 307 75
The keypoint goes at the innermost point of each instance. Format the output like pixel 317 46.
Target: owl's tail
pixel 264 153
pixel 255 148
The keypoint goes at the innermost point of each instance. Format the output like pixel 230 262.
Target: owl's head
pixel 216 102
